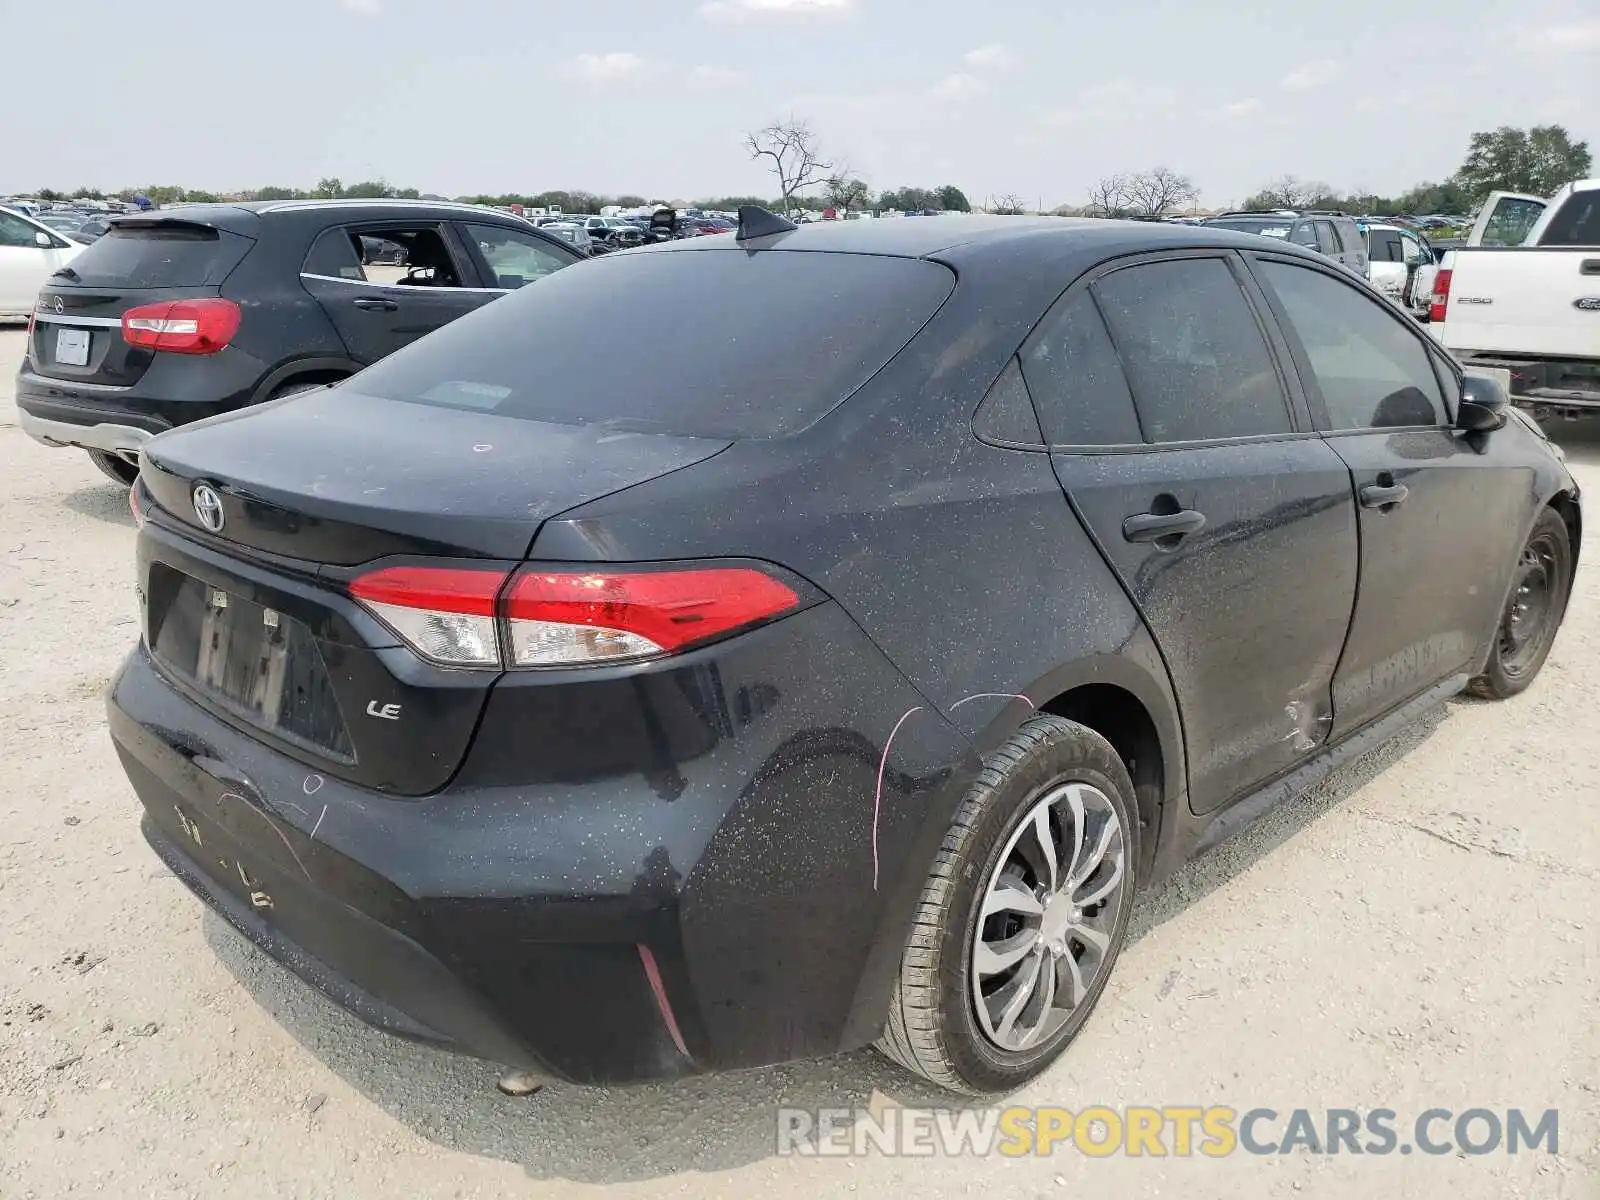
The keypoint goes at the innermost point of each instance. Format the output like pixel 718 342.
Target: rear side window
pixel 1576 223
pixel 1326 241
pixel 167 254
pixel 1191 347
pixel 334 256
pixel 1006 414
pixel 709 343
pixel 1076 382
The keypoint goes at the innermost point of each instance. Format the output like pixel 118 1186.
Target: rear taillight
pixel 182 326
pixel 1441 295
pixel 539 617
pixel 133 505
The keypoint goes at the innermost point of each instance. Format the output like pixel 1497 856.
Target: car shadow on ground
pixel 105 502
pixel 709 1123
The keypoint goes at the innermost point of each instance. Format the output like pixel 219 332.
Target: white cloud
pixel 714 78
pixel 605 68
pixel 960 86
pixel 733 11
pixel 1311 75
pixel 367 8
pixel 989 58
pixel 1115 100
pixel 1583 36
pixel 1241 108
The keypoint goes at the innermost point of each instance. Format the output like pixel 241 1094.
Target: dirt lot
pixel 1423 931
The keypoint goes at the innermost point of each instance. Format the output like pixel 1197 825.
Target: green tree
pixel 275 193
pixel 953 199
pixel 328 189
pixel 367 189
pixel 88 193
pixel 49 195
pixel 1537 160
pixel 845 193
pixel 198 196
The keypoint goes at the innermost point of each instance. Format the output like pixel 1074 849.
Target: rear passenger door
pixel 379 308
pixel 1442 518
pixel 1178 440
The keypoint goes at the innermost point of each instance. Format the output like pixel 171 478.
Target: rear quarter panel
pixel 1521 300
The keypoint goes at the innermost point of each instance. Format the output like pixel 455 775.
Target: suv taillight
pixel 1441 295
pixel 182 326
pixel 537 617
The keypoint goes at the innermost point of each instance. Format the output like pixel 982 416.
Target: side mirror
pixel 43 240
pixel 1483 405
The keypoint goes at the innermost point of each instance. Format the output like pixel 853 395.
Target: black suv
pixel 1334 234
pixel 177 315
pixel 830 658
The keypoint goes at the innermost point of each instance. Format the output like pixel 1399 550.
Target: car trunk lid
pixel 77 327
pixel 339 477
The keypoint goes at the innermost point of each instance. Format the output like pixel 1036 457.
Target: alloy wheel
pixel 1048 915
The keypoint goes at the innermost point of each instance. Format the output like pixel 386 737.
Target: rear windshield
pixel 708 343
pixel 165 255
pixel 1576 223
pixel 1277 227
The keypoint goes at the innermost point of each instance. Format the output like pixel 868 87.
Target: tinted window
pixel 1386 246
pixel 1006 414
pixel 334 254
pixel 1326 242
pixel 1076 381
pixel 164 255
pixel 1372 370
pixel 1576 223
pixel 1277 227
pixel 705 343
pixel 516 258
pixel 1304 235
pixel 1193 352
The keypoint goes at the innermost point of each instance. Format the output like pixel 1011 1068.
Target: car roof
pixel 927 237
pixel 244 216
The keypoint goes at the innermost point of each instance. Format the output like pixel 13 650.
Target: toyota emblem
pixel 60 307
pixel 208 507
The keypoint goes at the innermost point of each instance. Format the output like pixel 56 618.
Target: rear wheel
pixel 1023 915
pixel 115 467
pixel 1533 611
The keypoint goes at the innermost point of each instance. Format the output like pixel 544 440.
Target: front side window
pixel 1077 384
pixel 515 258
pixel 1196 358
pixel 14 231
pixel 1373 372
pixel 1386 246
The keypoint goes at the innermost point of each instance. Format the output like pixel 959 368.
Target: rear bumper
pixel 708 905
pixel 1544 383
pixel 109 436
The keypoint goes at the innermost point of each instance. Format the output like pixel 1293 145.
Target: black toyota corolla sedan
pixel 830 660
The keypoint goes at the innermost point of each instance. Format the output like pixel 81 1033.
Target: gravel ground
pixel 1423 930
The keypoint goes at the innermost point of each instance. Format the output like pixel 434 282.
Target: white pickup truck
pixel 1523 298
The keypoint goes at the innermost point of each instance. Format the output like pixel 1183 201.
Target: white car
pixel 29 254
pixel 1401 264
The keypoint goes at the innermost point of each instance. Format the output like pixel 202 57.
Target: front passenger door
pixel 1229 522
pixel 1442 520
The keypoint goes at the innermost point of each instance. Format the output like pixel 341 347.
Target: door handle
pixel 374 304
pixel 1152 527
pixel 1383 495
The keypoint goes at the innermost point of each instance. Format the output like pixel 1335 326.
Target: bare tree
pixel 791 149
pixel 1109 197
pixel 1288 192
pixel 1008 205
pixel 1156 192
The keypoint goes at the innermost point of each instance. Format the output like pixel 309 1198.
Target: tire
pixel 1540 588
pixel 934 1027
pixel 115 467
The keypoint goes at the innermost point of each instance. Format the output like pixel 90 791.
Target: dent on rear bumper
pixel 719 810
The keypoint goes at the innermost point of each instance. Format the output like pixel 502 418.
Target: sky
pixel 1035 98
